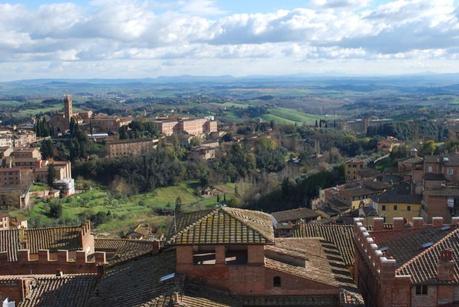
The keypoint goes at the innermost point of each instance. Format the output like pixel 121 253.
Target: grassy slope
pixel 126 211
pixel 290 116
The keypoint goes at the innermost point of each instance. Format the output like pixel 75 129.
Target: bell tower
pixel 68 113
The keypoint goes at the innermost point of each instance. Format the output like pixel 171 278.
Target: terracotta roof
pixel 423 267
pixel 137 283
pixel 39 238
pixel 340 235
pixel 222 225
pixel 409 243
pixel 294 214
pixel 9 243
pixel 53 238
pixel 323 262
pixel 120 250
pixel 68 290
pixel 396 196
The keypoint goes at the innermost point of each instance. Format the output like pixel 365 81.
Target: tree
pixel 51 175
pixel 47 149
pixel 55 210
pixel 178 205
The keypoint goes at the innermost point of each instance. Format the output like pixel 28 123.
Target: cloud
pixel 339 3
pixel 190 30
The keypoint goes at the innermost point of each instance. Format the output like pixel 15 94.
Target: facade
pixel 194 127
pixel 398 203
pixel 352 168
pixel 408 265
pixel 135 147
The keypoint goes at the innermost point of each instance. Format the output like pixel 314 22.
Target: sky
pixel 149 38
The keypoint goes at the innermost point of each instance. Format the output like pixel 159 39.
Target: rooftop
pixel 222 225
pixel 340 235
pixel 294 214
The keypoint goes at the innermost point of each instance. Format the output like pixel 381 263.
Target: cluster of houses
pixel 236 257
pixel 21 167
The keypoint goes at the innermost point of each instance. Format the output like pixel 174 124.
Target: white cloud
pixel 187 31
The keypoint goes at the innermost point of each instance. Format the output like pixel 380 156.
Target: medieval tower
pixel 68 113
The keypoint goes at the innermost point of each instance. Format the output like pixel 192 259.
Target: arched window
pixel 276 281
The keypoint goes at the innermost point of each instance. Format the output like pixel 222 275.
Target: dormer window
pixel 277 282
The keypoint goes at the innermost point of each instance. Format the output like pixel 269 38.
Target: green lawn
pixel 290 116
pixel 124 212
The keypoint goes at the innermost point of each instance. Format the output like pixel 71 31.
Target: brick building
pixel 408 265
pixel 134 147
pixel 234 250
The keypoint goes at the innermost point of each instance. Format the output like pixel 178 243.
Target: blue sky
pixel 233 6
pixel 148 38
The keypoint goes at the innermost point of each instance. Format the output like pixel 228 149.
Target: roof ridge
pixel 249 226
pixel 124 240
pixel 53 227
pixel 211 211
pixel 427 250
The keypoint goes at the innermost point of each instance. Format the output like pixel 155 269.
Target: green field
pixel 290 116
pixel 124 212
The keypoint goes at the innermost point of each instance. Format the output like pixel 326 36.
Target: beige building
pixel 15 176
pixel 134 147
pixel 195 127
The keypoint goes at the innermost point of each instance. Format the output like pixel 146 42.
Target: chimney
pixel 445 265
pixel 398 223
pixel 378 224
pixel 418 222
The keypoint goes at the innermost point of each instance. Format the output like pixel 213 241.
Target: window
pixel 450 171
pixel 236 256
pixel 276 281
pixel 383 208
pixel 429 169
pixel 395 207
pixel 204 255
pixel 421 290
pixel 408 208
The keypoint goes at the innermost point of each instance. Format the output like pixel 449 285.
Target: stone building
pixel 408 265
pixel 194 127
pixel 131 147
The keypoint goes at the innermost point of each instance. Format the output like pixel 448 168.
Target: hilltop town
pixel 177 207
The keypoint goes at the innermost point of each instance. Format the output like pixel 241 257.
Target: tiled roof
pixel 53 238
pixel 56 291
pixel 340 235
pixel 323 264
pixel 423 267
pixel 408 244
pixel 396 196
pixel 222 225
pixel 137 283
pixel 9 243
pixel 294 214
pixel 39 238
pixel 120 250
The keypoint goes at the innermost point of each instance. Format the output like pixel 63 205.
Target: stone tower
pixel 68 113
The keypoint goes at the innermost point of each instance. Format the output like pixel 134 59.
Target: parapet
pixel 379 264
pixel 46 262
